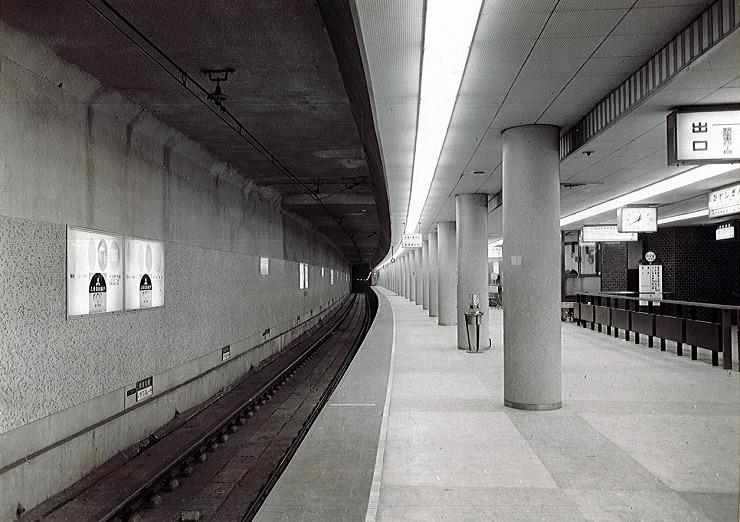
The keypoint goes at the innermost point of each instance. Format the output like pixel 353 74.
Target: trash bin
pixel 473 318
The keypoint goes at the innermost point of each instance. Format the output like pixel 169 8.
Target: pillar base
pixel 533 407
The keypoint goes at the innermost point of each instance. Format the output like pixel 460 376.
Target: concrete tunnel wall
pixel 75 153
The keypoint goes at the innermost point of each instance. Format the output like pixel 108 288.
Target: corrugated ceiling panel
pixel 582 23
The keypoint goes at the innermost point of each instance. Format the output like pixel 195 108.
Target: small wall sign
pixel 144 389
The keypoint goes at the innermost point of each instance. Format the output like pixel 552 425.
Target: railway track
pixel 223 461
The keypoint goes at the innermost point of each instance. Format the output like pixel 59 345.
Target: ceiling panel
pixel 616 45
pixel 652 20
pixel 597 22
pixel 571 48
pixel 516 7
pixel 504 30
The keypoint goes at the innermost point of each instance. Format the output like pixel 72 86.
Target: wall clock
pixel 637 219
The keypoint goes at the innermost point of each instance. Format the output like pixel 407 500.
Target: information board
pixel 724 201
pixel 605 233
pixel 411 241
pixel 726 231
pixel 495 250
pixel 94 272
pixel 144 273
pixel 651 282
pixel 701 135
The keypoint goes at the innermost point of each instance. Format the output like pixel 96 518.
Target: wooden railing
pixel 622 311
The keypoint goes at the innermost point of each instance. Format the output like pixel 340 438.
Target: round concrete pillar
pixel 404 276
pixel 433 275
pixel 412 274
pixel 447 256
pixel 425 274
pixel 472 264
pixel 407 265
pixel 417 273
pixel 531 267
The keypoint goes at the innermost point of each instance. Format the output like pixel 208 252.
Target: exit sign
pixel 704 134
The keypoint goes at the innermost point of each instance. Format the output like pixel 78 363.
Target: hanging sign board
pixel 704 134
pixel 495 250
pixel 726 231
pixel 411 241
pixel 605 233
pixel 94 272
pixel 144 273
pixel 724 202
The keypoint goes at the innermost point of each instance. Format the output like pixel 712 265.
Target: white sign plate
pixel 495 251
pixel 94 272
pixel 411 241
pixel 144 273
pixel 605 233
pixel 144 388
pixel 704 136
pixel 725 232
pixel 724 202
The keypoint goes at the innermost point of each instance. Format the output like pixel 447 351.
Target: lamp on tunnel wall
pixel 218 76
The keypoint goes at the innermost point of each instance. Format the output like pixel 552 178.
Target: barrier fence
pixel 624 311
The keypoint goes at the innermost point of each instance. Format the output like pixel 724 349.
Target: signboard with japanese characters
pixel 726 231
pixel 607 233
pixel 704 134
pixel 495 250
pixel 411 241
pixel 724 202
pixel 94 272
pixel 144 389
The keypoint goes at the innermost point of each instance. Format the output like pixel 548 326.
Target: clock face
pixel 637 219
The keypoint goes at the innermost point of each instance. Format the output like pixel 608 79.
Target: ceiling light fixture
pixel 683 217
pixel 448 34
pixel 685 178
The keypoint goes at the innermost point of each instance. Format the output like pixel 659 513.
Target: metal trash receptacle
pixel 473 318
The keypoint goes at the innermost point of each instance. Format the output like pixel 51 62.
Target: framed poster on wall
pixel 144 273
pixel 94 272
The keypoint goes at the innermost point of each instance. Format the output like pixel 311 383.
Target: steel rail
pixel 285 460
pixel 139 496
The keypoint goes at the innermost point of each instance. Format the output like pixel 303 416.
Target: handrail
pixel 647 296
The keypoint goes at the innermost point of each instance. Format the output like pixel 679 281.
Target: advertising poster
pixel 94 272
pixel 144 273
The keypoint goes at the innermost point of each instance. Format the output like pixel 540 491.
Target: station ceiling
pixel 298 86
pixel 548 62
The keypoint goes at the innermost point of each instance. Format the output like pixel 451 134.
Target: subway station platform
pixel 417 430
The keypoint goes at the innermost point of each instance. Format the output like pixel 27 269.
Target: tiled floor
pixel 642 435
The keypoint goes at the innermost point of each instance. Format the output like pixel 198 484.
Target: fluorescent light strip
pixel 685 178
pixel 448 34
pixel 682 217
